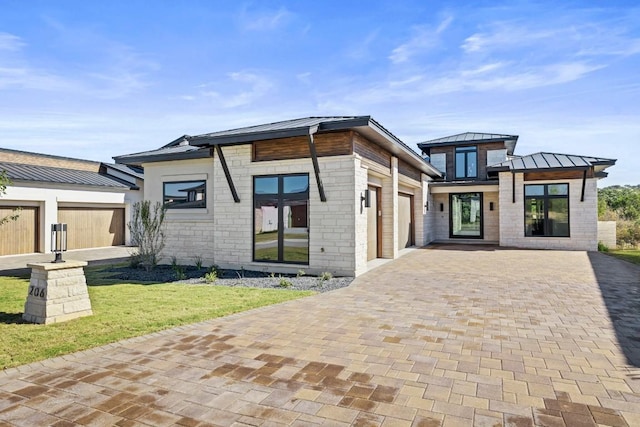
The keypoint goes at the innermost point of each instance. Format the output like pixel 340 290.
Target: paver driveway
pixel 447 336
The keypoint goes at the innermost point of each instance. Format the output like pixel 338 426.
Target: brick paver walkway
pixel 442 336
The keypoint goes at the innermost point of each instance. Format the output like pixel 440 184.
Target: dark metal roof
pixel 469 138
pixel 551 162
pixel 176 152
pixel 178 149
pixel 34 173
pixel 134 171
pixel 283 129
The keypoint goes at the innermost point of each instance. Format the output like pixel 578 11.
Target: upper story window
pixel 466 162
pixel 185 194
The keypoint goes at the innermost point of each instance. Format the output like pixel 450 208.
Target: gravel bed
pixel 232 278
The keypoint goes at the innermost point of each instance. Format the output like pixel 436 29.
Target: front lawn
pixel 121 310
pixel 631 255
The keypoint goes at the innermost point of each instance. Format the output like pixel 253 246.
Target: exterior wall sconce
pixel 58 241
pixel 366 198
pixel 490 206
pixel 441 207
pixel 426 205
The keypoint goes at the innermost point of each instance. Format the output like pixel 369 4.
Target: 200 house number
pixel 37 292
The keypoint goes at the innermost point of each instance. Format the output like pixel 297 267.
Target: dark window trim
pixel 281 198
pixel 164 193
pixel 546 197
pixel 464 149
pixel 451 235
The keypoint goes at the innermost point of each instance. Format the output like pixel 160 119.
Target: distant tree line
pixel 621 203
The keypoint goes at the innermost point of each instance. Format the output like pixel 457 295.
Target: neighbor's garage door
pixel 93 227
pixel 405 221
pixel 19 236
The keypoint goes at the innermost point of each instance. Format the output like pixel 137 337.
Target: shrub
pixel 325 275
pixel 198 261
pixel 284 283
pixel 301 273
pixel 146 232
pixel 602 247
pixel 180 272
pixel 211 276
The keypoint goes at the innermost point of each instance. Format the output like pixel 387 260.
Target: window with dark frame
pixel 466 162
pixel 281 218
pixel 185 194
pixel 546 210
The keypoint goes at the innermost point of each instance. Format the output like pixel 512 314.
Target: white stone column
pixel 57 292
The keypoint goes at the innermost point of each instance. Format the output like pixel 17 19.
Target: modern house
pixel 334 193
pixel 92 198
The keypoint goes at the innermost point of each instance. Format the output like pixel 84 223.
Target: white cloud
pixel 264 20
pixel 10 42
pixel 424 39
pixel 243 88
pixel 33 79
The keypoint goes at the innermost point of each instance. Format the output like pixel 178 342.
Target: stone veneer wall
pixel 583 216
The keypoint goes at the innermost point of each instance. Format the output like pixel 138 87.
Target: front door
pixel 465 218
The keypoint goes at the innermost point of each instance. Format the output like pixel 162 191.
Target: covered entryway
pixel 19 236
pixel 93 227
pixel 405 221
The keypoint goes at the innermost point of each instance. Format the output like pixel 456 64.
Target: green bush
pixel 211 276
pixel 602 247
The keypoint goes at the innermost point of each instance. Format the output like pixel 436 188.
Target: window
pixel 546 210
pixel 466 162
pixel 281 218
pixel 185 194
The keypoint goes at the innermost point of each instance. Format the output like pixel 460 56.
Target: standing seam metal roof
pixel 34 173
pixel 542 161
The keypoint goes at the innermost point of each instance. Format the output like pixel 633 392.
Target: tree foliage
pixel 622 204
pixel 4 182
pixel 147 232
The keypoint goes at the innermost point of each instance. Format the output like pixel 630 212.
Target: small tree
pixel 4 181
pixel 146 232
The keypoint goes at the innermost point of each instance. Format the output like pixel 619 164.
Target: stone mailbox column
pixel 57 292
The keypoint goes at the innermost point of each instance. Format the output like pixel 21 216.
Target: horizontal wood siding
pixel 371 151
pixel 327 144
pixel 552 176
pixel 93 228
pixel 406 169
pixel 19 236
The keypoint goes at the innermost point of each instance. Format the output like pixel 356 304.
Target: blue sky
pixel 98 79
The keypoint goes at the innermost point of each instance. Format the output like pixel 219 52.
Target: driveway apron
pixel 449 335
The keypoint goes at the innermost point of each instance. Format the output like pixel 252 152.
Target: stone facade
pixel 57 293
pixel 607 233
pixel 583 216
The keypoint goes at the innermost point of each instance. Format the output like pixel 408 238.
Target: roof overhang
pixel 509 143
pixel 139 159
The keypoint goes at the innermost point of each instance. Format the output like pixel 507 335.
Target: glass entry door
pixel 465 219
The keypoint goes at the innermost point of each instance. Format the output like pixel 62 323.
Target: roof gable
pixel 471 138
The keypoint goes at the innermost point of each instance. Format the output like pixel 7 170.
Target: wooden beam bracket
pixel 513 187
pixel 584 184
pixel 227 174
pixel 314 159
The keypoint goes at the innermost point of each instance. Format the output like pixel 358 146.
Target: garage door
pixel 93 228
pixel 19 236
pixel 405 221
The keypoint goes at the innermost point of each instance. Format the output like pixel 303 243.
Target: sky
pixel 94 80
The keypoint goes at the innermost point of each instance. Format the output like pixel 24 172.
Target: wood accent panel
pixel 406 169
pixel 371 151
pixel 482 158
pixel 19 236
pixel 555 175
pixel 93 227
pixel 327 144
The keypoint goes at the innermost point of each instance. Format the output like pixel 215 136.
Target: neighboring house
pixel 542 200
pixel 333 193
pixel 92 198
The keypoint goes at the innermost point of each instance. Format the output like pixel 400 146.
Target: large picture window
pixel 466 162
pixel 185 194
pixel 281 218
pixel 546 210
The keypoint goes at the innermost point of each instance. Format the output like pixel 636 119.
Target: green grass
pixel 631 255
pixel 121 310
pixel 273 235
